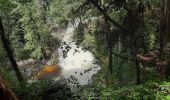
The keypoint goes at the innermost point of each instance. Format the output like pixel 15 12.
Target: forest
pixel 84 49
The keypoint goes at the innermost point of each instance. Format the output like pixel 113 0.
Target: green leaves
pixel 145 91
pixel 5 5
pixel 37 53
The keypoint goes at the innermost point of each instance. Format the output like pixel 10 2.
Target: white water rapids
pixel 75 61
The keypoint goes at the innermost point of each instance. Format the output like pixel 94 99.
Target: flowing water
pixel 75 61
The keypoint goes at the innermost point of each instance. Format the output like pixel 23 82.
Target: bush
pixel 147 91
pixel 24 54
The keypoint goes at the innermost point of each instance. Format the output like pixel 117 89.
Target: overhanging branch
pixel 81 6
pixel 123 57
pixel 110 4
pixel 104 13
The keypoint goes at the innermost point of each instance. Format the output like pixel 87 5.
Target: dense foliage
pixel 130 39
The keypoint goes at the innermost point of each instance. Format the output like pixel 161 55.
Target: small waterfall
pixel 75 61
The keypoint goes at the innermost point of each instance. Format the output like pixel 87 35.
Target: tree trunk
pixel 9 53
pixel 120 44
pixel 164 33
pixel 110 58
pixel 134 46
pixel 109 43
pixel 168 21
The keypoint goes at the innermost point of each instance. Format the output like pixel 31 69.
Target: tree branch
pixel 110 4
pixel 123 57
pixel 81 6
pixel 104 13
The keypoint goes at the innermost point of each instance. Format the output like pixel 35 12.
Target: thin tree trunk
pixel 134 44
pixel 110 58
pixel 109 43
pixel 167 68
pixel 164 33
pixel 168 21
pixel 162 29
pixel 9 53
pixel 119 44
